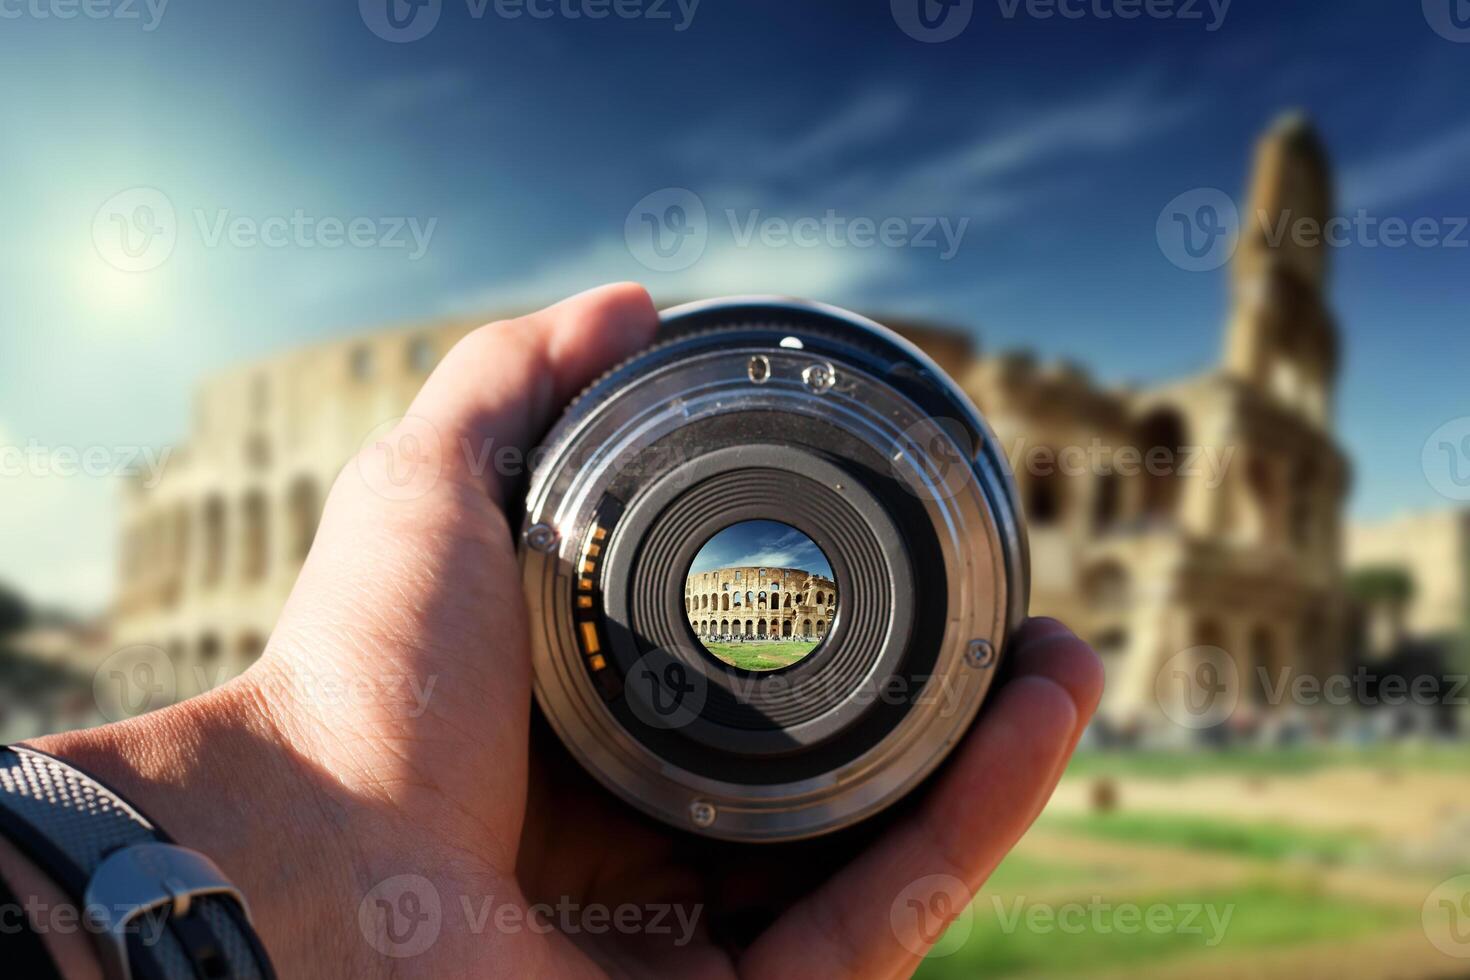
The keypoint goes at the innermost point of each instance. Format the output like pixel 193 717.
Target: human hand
pixel 431 781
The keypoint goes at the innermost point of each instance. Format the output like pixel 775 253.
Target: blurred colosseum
pixel 1234 543
pixel 789 603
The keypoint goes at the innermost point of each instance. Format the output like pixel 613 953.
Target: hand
pixel 386 731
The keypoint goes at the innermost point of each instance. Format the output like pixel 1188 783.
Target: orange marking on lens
pixel 590 643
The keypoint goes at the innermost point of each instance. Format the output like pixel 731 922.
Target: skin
pixel 309 799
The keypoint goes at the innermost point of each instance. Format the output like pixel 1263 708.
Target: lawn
pixel 1163 764
pixel 1012 937
pixel 756 655
pixel 1258 841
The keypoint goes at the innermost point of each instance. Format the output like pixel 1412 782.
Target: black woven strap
pixel 70 825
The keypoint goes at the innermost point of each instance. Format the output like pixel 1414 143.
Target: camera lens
pixel 771 564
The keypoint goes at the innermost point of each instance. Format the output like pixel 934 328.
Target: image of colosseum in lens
pixel 760 595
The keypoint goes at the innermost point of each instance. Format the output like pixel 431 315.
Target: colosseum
pixel 760 603
pixel 1244 554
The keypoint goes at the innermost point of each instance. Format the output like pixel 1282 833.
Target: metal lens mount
pixel 821 420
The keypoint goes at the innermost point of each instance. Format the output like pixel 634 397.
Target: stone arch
pixel 214 539
pixel 725 602
pixel 785 627
pixel 1045 498
pixel 724 627
pixel 302 507
pixel 788 600
pixel 249 646
pixel 1161 438
pixel 806 627
pixel 819 598
pixel 749 599
pixel 821 627
pixel 1107 501
pixel 1107 585
pixel 760 627
pixel 1264 665
pixel 750 627
pixel 254 536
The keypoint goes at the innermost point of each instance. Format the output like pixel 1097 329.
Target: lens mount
pixel 812 417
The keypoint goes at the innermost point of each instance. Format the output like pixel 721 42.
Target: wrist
pixel 218 774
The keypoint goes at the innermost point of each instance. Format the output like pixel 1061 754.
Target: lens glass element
pixel 760 595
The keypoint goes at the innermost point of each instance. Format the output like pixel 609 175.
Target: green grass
pixel 1262 841
pixel 1163 764
pixel 755 655
pixel 1013 937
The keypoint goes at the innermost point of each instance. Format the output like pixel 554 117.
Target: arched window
pixel 420 355
pixel 749 599
pixel 301 507
pixel 786 628
pixel 1107 503
pixel 724 627
pixel 1161 440
pixel 788 600
pixel 725 602
pixel 1044 496
pixel 254 536
pixel 360 363
pixel 821 627
pixel 806 627
pixel 760 628
pixel 819 598
pixel 749 627
pixel 1106 586
pixel 214 540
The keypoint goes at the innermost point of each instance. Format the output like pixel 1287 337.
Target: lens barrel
pixel 777 413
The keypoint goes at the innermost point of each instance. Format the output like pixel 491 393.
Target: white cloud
pixel 1410 173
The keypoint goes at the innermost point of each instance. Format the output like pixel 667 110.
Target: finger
pixel 502 384
pixel 858 923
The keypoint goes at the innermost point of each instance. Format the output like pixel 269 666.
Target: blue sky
pixel 761 543
pixel 518 147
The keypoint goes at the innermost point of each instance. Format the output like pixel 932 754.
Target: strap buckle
pixel 133 881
